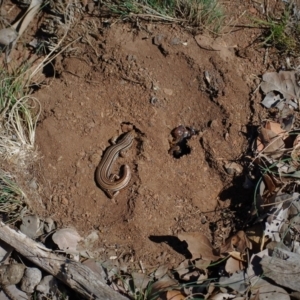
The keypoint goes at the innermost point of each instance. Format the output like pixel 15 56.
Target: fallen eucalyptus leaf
pixel 161 271
pixel 175 295
pixel 237 281
pixel 271 100
pixel 162 285
pixel 238 242
pixel 283 82
pixel 140 281
pixel 198 245
pixel 233 265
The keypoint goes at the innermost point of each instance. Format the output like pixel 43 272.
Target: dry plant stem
pixel 78 277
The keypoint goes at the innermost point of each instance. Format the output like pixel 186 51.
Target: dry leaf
pixel 162 285
pixel 161 271
pixel 239 242
pixel 237 255
pixel 283 82
pixel 175 295
pixel 201 264
pixel 140 281
pixel 198 245
pixel 233 265
pixel 271 186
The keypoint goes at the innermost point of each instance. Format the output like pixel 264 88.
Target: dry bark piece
pixel 285 272
pixel 48 285
pixel 198 245
pixel 268 291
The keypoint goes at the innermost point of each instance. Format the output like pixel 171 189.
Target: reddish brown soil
pixel 126 79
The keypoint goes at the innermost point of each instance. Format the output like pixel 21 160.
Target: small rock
pixel 90 7
pixel 64 200
pixel 91 239
pixel 33 185
pixel 106 57
pixel 203 220
pixel 7 36
pixel 158 39
pixel 95 267
pixel 168 92
pixel 48 285
pixel 11 274
pixel 30 280
pixel 175 41
pixel 49 225
pixel 131 57
pixel 31 226
pixel 94 159
pixel 213 124
pixel 14 293
pixel 233 168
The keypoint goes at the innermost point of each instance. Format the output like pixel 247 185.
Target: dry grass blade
pixel 18 116
pixel 12 198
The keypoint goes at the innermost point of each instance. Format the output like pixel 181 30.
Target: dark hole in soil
pixel 179 145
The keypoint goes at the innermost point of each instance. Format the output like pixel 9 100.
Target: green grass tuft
pixel 208 14
pixel 283 33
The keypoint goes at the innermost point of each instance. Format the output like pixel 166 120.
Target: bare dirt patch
pixel 155 79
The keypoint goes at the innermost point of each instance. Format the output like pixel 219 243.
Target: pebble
pixel 47 285
pixel 175 41
pixel 233 168
pixel 158 39
pixel 30 280
pixel 168 92
pixel 33 185
pixel 64 200
pixel 90 7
